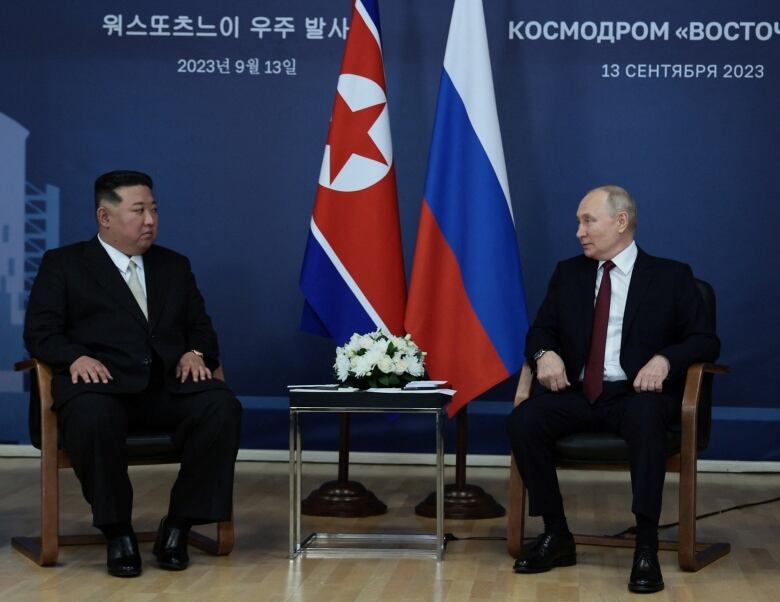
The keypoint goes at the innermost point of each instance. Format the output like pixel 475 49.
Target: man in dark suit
pixel 610 346
pixel 125 330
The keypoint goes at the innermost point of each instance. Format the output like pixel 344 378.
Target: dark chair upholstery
pixel 607 451
pixel 143 448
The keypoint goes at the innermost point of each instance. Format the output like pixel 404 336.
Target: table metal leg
pixel 298 473
pixel 293 480
pixel 439 485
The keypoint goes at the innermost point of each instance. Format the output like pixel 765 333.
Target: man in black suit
pixel 610 346
pixel 125 330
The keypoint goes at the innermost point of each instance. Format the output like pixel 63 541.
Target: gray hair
pixel 619 199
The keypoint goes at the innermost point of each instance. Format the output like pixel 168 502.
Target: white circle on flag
pixel 361 172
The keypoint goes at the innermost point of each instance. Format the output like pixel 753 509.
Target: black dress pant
pixel 206 427
pixel 642 419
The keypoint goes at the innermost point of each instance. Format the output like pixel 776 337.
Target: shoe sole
pixel 124 574
pixel 645 589
pixel 569 560
pixel 172 567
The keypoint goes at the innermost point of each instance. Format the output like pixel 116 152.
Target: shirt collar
pixel 121 261
pixel 624 261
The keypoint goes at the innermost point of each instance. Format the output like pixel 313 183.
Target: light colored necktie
pixel 135 287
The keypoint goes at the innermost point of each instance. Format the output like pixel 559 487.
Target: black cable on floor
pixel 451 537
pixel 632 530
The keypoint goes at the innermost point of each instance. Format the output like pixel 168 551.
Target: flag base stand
pixel 342 497
pixel 461 500
pixel 345 499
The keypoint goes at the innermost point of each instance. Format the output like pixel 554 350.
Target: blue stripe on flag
pixel 469 205
pixel 310 321
pixel 330 297
pixel 372 8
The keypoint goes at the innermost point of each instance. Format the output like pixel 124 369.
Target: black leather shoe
pixel 170 548
pixel 548 551
pixel 122 557
pixel 646 573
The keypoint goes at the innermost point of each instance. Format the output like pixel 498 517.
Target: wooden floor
pixel 259 569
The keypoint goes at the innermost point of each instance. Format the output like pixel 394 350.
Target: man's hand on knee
pixel 652 375
pixel 89 370
pixel 192 364
pixel 551 372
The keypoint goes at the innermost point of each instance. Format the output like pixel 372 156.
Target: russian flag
pixel 353 273
pixel 466 304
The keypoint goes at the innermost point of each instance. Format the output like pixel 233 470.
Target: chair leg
pixel 50 509
pixel 225 538
pixel 687 509
pixel 44 550
pixel 693 556
pixel 515 524
pixel 221 546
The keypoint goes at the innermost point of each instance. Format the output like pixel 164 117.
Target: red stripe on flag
pixel 443 323
pixel 357 59
pixel 363 229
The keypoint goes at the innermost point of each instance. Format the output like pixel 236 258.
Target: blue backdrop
pixel 227 106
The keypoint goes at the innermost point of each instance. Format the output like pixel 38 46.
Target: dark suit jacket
pixel 664 315
pixel 81 305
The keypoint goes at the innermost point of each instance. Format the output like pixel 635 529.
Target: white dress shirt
pixel 122 262
pixel 620 278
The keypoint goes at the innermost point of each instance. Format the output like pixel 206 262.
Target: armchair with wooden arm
pixel 143 448
pixel 604 451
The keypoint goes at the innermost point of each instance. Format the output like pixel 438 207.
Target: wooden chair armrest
pixel 524 384
pixel 690 407
pixel 42 375
pixel 693 381
pixel 27 364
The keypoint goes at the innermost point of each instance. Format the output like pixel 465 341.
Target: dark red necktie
pixel 593 383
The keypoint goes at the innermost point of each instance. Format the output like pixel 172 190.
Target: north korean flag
pixel 353 273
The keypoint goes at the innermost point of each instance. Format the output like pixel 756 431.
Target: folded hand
pixel 652 375
pixel 89 370
pixel 192 364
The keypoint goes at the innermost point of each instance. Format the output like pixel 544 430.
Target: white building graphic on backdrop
pixel 29 224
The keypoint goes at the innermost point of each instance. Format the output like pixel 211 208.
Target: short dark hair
pixel 106 184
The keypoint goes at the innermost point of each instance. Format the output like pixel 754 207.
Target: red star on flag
pixel 349 135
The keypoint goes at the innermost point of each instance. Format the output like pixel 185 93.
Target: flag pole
pixel 342 497
pixel 461 500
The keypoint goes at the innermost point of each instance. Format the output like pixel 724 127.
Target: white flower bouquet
pixel 379 359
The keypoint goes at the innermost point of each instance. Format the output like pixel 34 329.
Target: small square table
pixel 427 545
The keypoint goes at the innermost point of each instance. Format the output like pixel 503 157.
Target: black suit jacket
pixel 81 305
pixel 664 314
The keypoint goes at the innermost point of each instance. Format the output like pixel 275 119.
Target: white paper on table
pixel 339 390
pixel 424 384
pixel 325 387
pixel 449 392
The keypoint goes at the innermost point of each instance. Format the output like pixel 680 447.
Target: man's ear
pixel 622 218
pixel 103 216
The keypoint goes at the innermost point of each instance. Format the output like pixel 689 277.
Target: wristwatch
pixel 196 352
pixel 538 355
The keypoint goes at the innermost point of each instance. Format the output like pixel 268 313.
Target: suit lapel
pixel 107 275
pixel 156 286
pixel 586 298
pixel 640 279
